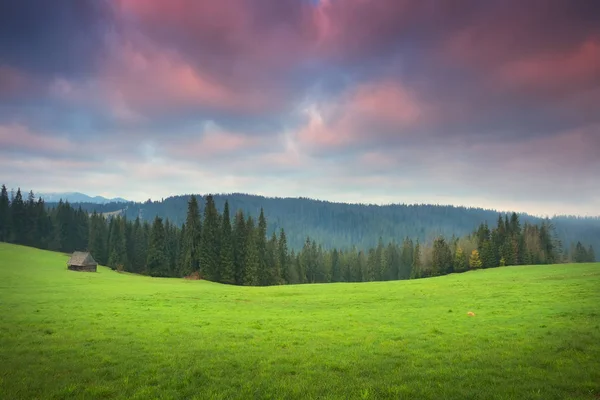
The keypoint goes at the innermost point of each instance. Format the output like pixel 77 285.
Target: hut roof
pixel 82 258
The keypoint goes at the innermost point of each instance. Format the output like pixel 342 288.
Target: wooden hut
pixel 82 261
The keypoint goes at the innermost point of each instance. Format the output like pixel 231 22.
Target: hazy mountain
pixel 76 197
pixel 343 225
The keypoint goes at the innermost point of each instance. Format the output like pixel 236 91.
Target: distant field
pixel 65 334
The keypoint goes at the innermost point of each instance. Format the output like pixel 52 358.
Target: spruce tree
pixel 273 264
pixel 406 259
pixel 117 250
pixel 336 271
pixel 4 215
pixel 157 262
pixel 250 272
pixel 209 249
pixel 97 238
pixel 227 268
pixel 140 247
pixel 264 275
pixel 18 215
pixel 239 247
pixel 191 244
pixel 591 256
pixel 284 257
pixel 416 266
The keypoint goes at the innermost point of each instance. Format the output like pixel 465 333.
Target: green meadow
pixel 71 335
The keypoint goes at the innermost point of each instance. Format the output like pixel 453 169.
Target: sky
pixel 492 103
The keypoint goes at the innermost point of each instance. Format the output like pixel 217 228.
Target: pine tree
pixel 239 247
pixel 97 238
pixel 227 268
pixel 4 215
pixel 336 271
pixel 191 239
pixel 406 259
pixel 140 247
pixel 18 215
pixel 591 256
pixel 117 250
pixel 416 266
pixel 442 257
pixel 157 262
pixel 261 246
pixel 209 250
pixel 488 257
pixel 273 263
pixel 284 257
pixel 250 272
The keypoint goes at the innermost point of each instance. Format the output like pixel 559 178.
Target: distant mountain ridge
pixel 77 197
pixel 344 225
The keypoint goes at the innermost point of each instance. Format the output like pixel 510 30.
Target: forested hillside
pixel 235 248
pixel 339 225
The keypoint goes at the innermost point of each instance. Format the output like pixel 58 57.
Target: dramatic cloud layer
pixel 492 104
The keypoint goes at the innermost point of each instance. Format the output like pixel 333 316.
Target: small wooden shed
pixel 82 261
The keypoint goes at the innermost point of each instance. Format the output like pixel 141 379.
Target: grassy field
pixel 65 334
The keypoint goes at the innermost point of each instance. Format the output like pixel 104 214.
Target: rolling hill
pixel 67 335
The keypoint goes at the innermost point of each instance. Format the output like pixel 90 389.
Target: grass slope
pixel 64 334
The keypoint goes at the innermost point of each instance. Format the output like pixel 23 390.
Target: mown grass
pixel 65 334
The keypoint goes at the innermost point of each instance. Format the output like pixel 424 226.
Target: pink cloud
pixel 17 137
pixel 575 67
pixel 369 111
pixel 214 143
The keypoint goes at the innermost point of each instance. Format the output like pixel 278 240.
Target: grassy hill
pixel 65 334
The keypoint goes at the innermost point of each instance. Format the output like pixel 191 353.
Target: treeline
pixel 236 249
pixel 341 226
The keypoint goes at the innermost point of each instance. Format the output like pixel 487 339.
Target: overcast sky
pixel 490 103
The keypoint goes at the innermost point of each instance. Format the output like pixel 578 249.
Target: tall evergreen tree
pixel 406 259
pixel 117 246
pixel 4 215
pixel 239 247
pixel 140 247
pixel 191 239
pixel 284 257
pixel 250 272
pixel 18 215
pixel 273 264
pixel 97 238
pixel 336 270
pixel 157 261
pixel 227 268
pixel 416 266
pixel 264 275
pixel 209 250
pixel 442 257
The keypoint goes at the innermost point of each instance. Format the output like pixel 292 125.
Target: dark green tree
pixel 264 275
pixel 157 261
pixel 227 267
pixel 284 257
pixel 192 240
pixel 250 272
pixel 4 215
pixel 209 250
pixel 239 247
pixel 117 246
